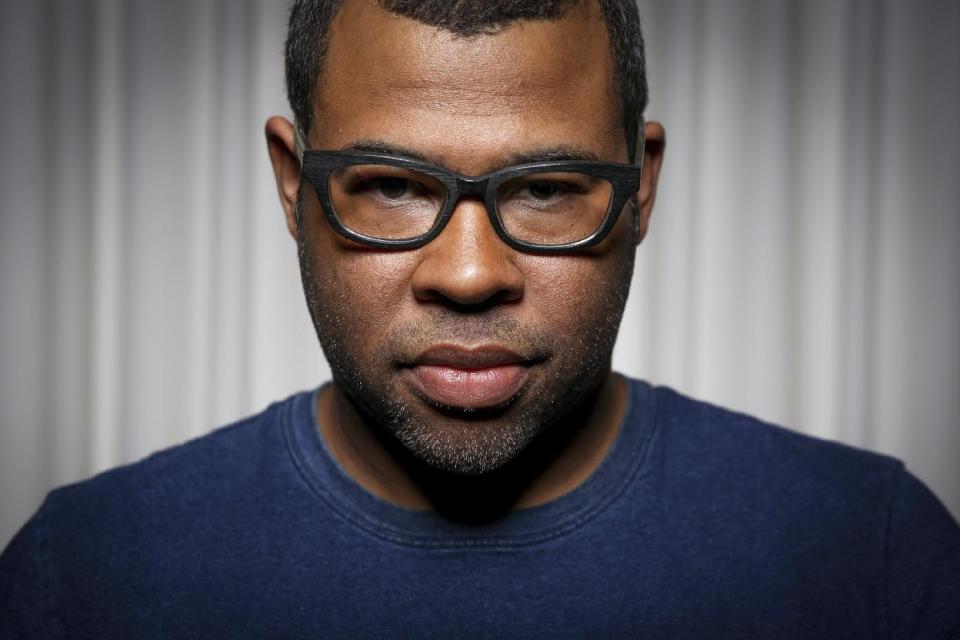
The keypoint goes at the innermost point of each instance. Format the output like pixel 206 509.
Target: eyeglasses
pixel 389 201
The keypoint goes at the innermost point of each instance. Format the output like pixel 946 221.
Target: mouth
pixel 484 377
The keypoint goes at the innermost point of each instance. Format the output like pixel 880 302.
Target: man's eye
pixel 543 190
pixel 391 188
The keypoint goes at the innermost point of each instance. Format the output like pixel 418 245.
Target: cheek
pixel 579 293
pixel 362 292
pixel 597 277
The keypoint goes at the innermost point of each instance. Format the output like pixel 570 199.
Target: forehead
pixel 468 100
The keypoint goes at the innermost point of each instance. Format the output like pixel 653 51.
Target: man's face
pixel 466 349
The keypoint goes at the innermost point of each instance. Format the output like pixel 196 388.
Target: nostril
pixel 468 286
pixel 477 307
pixel 468 275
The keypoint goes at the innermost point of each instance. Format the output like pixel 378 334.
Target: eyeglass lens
pixel 394 203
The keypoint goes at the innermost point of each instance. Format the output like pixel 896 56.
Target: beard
pixel 457 440
pixel 466 442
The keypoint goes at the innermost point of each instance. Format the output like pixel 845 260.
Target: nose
pixel 468 264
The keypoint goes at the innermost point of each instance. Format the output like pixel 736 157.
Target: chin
pixel 473 444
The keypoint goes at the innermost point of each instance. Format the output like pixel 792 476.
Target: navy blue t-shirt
pixel 700 523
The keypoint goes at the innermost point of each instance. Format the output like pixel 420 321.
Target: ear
pixel 286 167
pixel 655 142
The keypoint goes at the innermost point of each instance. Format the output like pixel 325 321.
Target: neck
pixel 555 463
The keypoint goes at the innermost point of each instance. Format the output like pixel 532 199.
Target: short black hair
pixel 310 21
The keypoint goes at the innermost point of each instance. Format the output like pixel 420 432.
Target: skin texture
pixel 470 104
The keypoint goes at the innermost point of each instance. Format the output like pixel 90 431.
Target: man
pixel 464 185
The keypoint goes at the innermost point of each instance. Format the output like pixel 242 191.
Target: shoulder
pixel 764 471
pixel 741 446
pixel 739 469
pixel 140 528
pixel 177 491
pixel 847 525
pixel 196 467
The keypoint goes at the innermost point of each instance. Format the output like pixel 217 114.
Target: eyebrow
pixel 543 154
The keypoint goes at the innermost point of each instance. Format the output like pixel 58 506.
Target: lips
pixel 469 378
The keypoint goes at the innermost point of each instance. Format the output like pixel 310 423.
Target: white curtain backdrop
pixel 802 264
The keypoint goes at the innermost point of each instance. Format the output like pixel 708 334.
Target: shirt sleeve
pixel 28 596
pixel 922 564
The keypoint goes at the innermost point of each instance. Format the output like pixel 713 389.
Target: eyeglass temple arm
pixel 300 142
pixel 638 155
pixel 640 144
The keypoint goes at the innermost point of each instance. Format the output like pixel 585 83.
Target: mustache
pixel 412 337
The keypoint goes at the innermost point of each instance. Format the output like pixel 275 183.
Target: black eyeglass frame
pixel 317 166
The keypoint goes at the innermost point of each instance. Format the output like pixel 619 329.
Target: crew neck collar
pixel 522 527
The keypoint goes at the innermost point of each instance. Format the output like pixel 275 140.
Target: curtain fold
pixel 801 265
